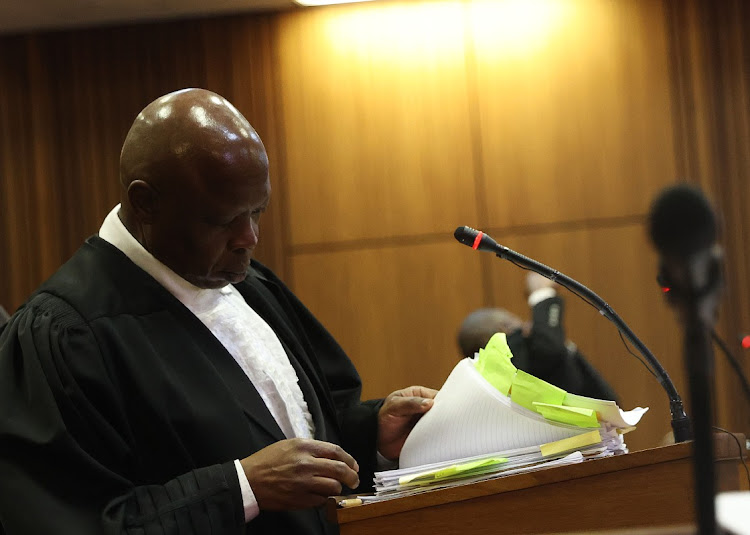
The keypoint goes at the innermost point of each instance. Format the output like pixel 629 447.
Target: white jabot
pixel 242 332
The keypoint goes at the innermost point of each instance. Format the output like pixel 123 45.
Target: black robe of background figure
pixel 545 353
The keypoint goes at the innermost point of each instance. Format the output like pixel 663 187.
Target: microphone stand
pixel 680 422
pixel 695 284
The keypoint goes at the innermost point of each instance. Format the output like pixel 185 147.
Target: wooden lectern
pixel 641 489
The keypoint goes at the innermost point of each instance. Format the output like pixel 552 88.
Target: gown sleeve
pixel 67 463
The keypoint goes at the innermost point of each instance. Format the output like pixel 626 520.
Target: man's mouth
pixel 235 274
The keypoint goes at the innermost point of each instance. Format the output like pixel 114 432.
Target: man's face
pixel 206 232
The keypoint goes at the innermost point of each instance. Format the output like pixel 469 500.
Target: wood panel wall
pixel 710 49
pixel 396 137
pixel 390 124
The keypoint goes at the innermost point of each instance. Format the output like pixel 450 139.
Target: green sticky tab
pixel 494 363
pixel 470 467
pixel 456 470
pixel 567 415
pixel 527 389
pixel 499 343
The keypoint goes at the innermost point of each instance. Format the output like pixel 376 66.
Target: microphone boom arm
pixel 478 240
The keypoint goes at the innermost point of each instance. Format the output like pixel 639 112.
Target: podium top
pixel 725 450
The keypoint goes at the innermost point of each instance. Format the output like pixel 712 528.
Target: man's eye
pixel 221 222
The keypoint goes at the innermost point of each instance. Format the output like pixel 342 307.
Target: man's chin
pixel 233 277
pixel 218 280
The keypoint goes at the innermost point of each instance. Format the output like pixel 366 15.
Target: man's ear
pixel 144 200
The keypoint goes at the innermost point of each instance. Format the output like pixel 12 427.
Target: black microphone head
pixel 681 221
pixel 466 235
pixel 476 239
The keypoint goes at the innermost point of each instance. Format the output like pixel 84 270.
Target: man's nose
pixel 245 236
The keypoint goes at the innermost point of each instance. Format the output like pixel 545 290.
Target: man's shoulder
pixel 261 271
pixel 98 280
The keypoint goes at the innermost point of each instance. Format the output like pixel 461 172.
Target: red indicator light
pixel 665 289
pixel 746 342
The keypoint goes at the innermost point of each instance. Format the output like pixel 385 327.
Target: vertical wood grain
pixel 388 125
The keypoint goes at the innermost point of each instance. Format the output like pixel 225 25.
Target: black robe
pixel 120 412
pixel 545 354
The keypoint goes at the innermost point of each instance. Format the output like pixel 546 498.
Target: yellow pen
pixel 349 502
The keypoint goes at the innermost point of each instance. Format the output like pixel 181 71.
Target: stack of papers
pixel 478 415
pixel 409 481
pixel 491 420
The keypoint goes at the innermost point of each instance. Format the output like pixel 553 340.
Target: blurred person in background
pixel 539 346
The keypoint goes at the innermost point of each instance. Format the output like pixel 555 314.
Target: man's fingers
pixel 406 406
pixel 416 391
pixel 337 470
pixel 326 450
pixel 428 393
pixel 324 486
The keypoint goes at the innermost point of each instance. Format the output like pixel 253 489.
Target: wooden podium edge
pixel 725 449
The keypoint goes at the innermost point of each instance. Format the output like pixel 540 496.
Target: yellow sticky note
pixel 571 444
pixel 527 389
pixel 567 415
pixel 494 363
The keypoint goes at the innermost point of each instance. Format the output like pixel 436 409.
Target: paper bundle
pixel 504 409
pixel 491 420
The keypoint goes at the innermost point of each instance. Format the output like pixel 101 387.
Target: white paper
pixel 572 458
pixel 733 511
pixel 470 417
pixel 608 411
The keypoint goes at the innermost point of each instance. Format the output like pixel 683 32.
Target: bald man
pixel 163 381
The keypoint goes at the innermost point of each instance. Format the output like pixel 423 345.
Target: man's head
pixel 479 326
pixel 194 177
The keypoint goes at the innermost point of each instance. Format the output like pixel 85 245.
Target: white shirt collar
pixel 114 232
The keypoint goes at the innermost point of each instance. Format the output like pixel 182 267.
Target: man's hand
pixel 299 473
pixel 398 415
pixel 535 281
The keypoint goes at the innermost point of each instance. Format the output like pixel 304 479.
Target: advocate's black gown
pixel 121 412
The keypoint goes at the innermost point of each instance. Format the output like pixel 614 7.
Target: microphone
pixel 681 221
pixel 476 239
pixel 682 227
pixel 480 241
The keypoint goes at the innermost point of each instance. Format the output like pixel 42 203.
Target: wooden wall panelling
pixel 17 262
pixel 394 309
pixel 375 118
pixel 385 125
pixel 710 69
pixel 729 41
pixel 47 190
pixel 615 262
pixel 575 113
